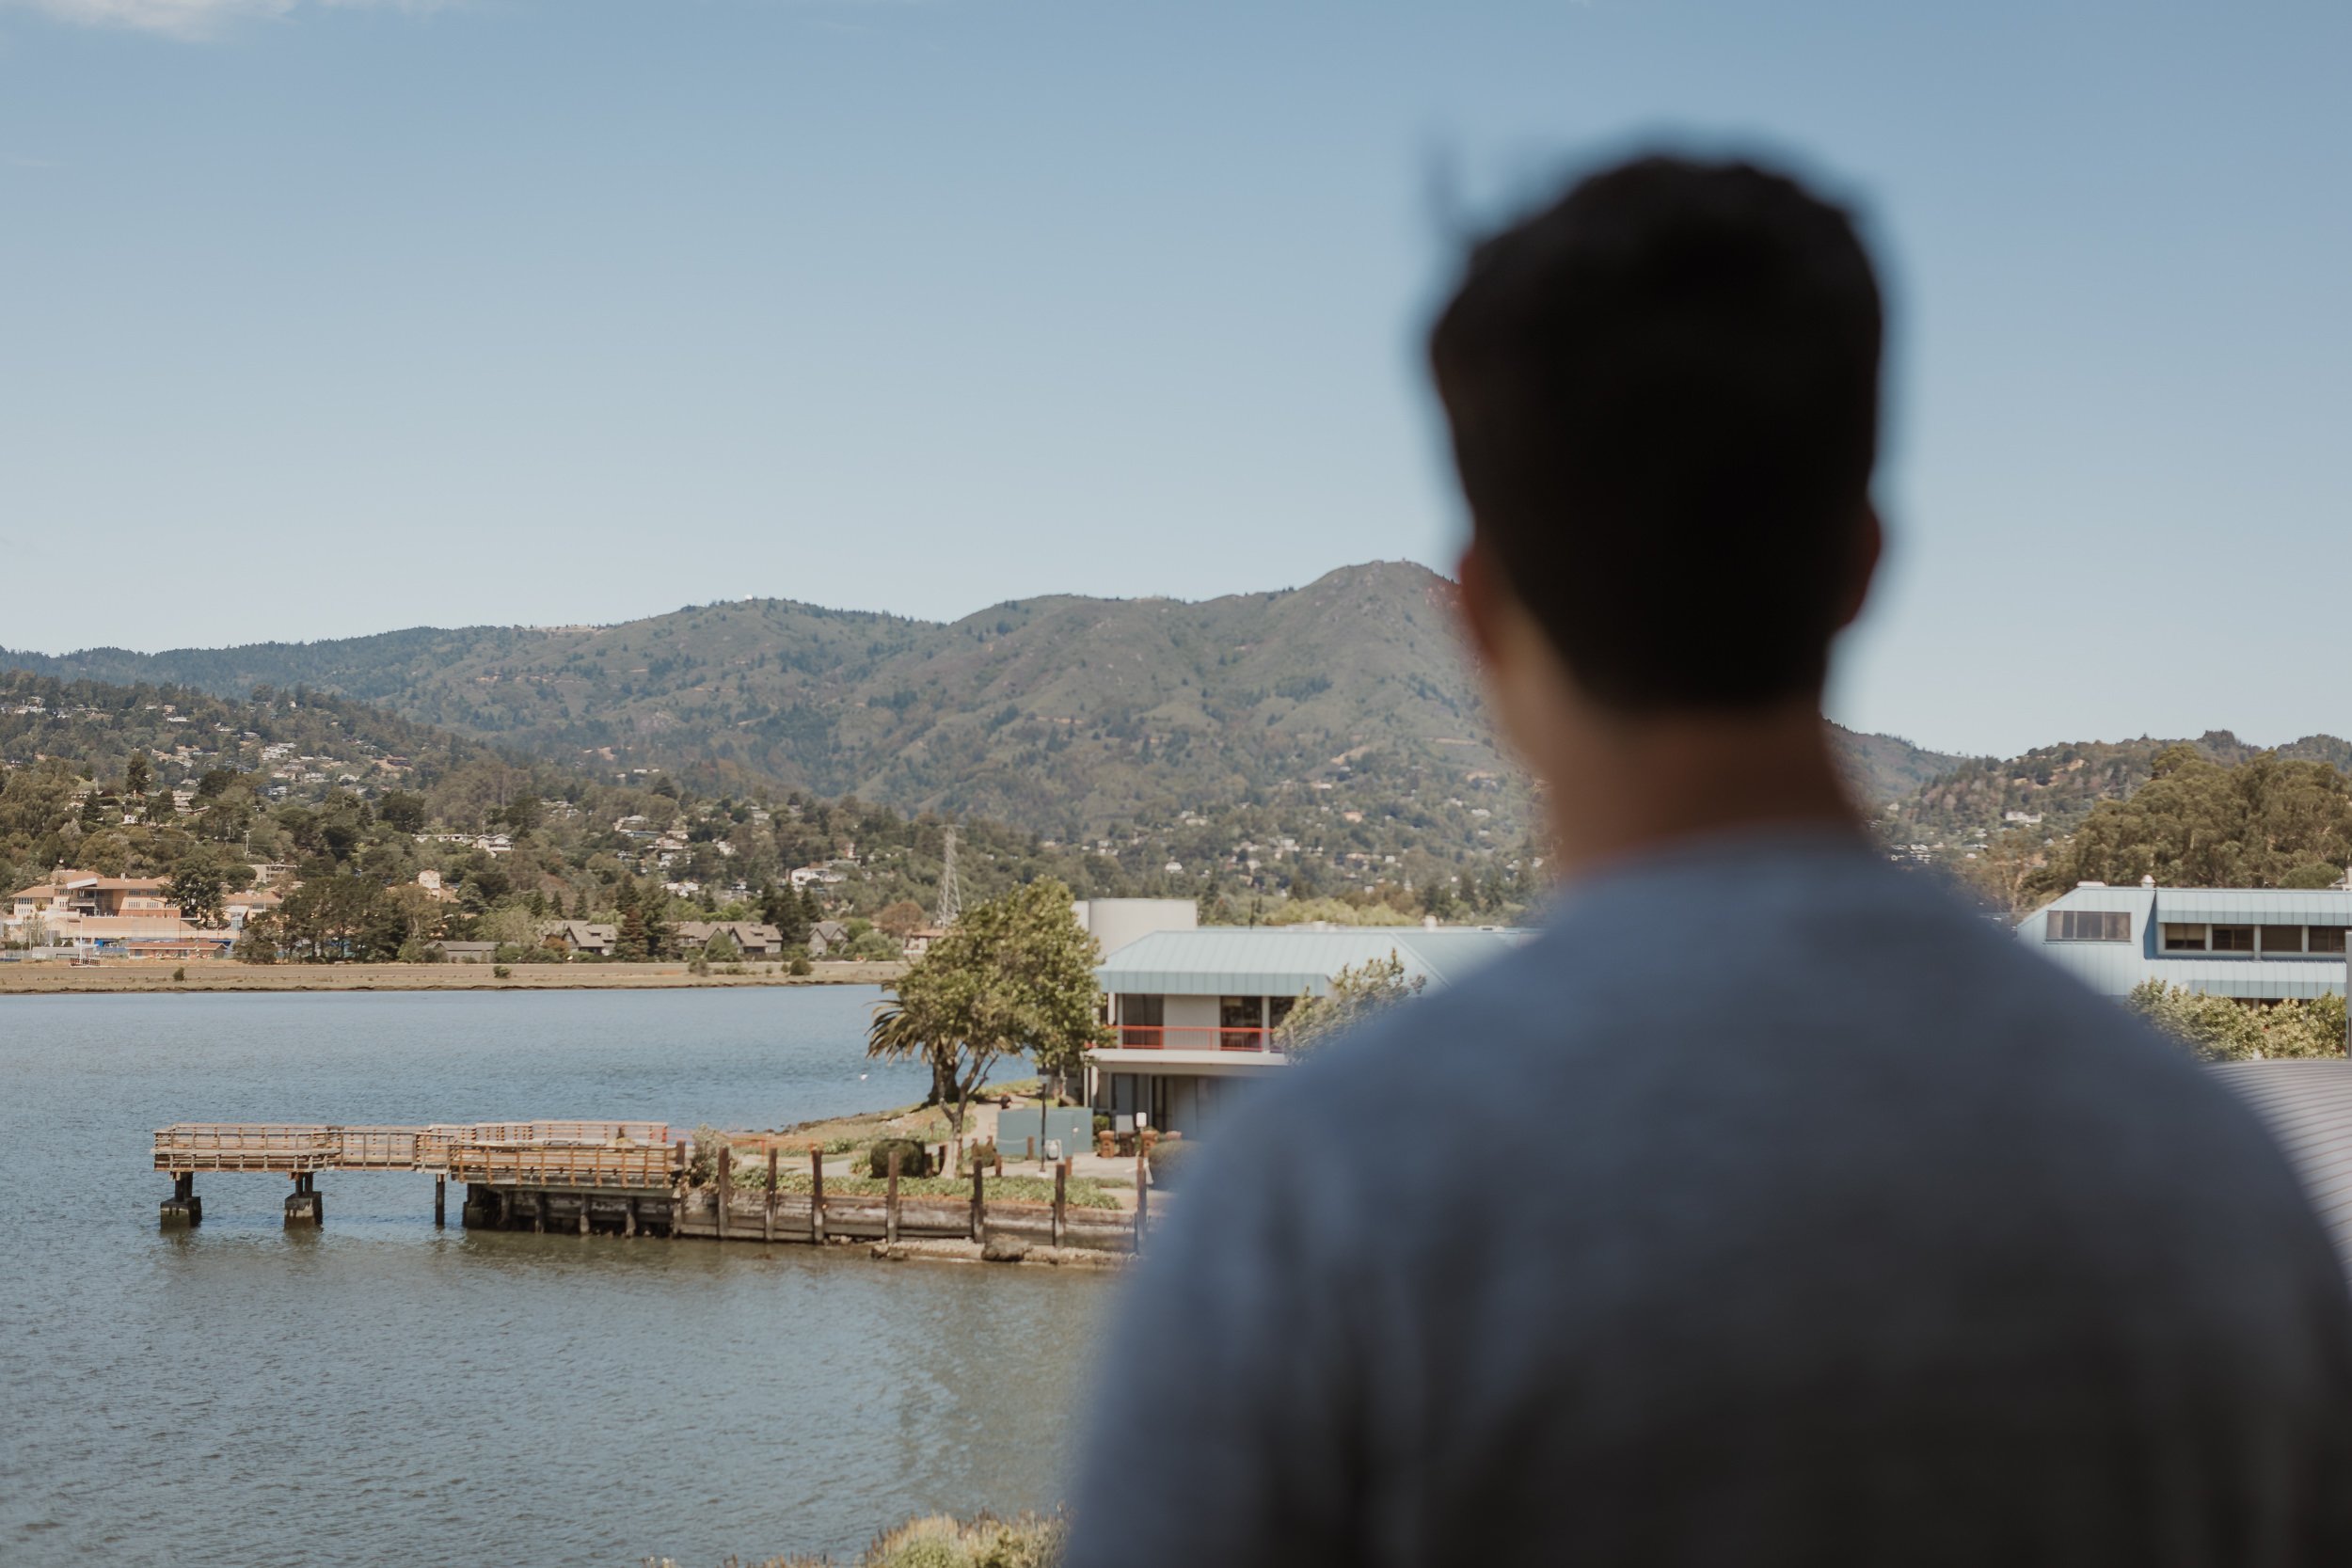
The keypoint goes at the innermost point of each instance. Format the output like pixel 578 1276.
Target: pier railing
pixel 601 1133
pixel 604 1150
pixel 194 1145
pixel 583 1165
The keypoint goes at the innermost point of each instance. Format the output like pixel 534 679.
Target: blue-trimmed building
pixel 2255 944
pixel 1200 1011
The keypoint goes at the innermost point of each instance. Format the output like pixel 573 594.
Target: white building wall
pixel 1192 1012
pixel 1115 921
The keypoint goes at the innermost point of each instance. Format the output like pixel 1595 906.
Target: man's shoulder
pixel 1684 968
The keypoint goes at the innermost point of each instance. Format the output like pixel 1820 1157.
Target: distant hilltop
pixel 1065 715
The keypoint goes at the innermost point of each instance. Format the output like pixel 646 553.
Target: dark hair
pixel 1663 394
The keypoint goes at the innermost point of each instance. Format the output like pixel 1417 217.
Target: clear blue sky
pixel 322 318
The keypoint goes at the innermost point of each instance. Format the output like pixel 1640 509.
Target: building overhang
pixel 1188 1064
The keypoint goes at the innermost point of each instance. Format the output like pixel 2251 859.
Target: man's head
pixel 1663 391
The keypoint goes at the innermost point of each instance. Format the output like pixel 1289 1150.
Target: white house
pixel 2256 944
pixel 1198 1012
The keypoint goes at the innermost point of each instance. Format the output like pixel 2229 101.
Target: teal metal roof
pixel 2226 905
pixel 1272 960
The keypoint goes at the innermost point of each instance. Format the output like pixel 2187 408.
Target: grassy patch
pixel 984 1542
pixel 1085 1192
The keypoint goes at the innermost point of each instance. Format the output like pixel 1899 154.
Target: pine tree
pixel 631 942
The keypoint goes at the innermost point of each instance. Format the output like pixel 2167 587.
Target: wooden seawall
pixel 617 1178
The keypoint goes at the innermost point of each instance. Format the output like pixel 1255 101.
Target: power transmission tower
pixel 951 895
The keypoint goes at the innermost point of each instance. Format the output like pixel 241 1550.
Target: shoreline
pixel 155 977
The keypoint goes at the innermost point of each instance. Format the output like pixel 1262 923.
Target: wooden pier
pixel 619 1177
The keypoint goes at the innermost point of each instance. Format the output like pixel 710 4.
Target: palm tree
pixel 892 1036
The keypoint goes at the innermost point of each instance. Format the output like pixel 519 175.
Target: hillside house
pixel 827 937
pixel 752 938
pixel 1199 1012
pixel 581 936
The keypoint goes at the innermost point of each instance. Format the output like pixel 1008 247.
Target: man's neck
pixel 1623 786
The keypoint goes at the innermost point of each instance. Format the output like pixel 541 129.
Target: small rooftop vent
pixel 2149 879
pixel 2090 884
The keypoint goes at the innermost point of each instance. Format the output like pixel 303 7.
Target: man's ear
pixel 1869 545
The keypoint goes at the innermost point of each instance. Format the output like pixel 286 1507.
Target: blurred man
pixel 1768 1208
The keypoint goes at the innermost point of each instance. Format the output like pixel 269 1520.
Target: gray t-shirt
pixel 1768 1208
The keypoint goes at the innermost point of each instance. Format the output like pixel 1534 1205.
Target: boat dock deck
pixel 624 1178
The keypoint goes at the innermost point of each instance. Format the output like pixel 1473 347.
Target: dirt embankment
pixel 132 975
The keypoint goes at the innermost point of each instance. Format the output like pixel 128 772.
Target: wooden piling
pixel 1143 1193
pixel 979 1204
pixel 890 1204
pixel 727 1185
pixel 583 1213
pixel 440 1201
pixel 767 1216
pixel 1031 1156
pixel 1061 1198
pixel 817 1194
pixel 628 1217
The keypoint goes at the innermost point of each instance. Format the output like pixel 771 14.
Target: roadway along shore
pixel 52 979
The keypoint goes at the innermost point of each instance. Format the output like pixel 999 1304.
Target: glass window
pixel 2326 939
pixel 2281 939
pixel 1141 1018
pixel 2232 938
pixel 2183 939
pixel 2090 926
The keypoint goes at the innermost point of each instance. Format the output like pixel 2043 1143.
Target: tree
pixel 781 906
pixel 2196 823
pixel 660 932
pixel 198 885
pixel 721 949
pixel 139 775
pixel 1014 975
pixel 1357 993
pixel 2220 1029
pixel 901 919
pixel 400 810
pixel 337 917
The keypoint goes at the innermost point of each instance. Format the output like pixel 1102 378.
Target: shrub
pixel 801 964
pixel 1101 1122
pixel 914 1159
pixel 702 1157
pixel 180 974
pixel 1168 1159
pixel 2219 1029
pixel 985 1542
pixel 499 972
pixel 979 1154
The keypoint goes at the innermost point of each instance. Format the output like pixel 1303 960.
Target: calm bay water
pixel 382 1392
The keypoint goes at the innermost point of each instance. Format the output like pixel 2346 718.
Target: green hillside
pixel 2057 785
pixel 1070 717
pixel 1065 715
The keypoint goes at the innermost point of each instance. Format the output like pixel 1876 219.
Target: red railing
pixel 1198 1037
